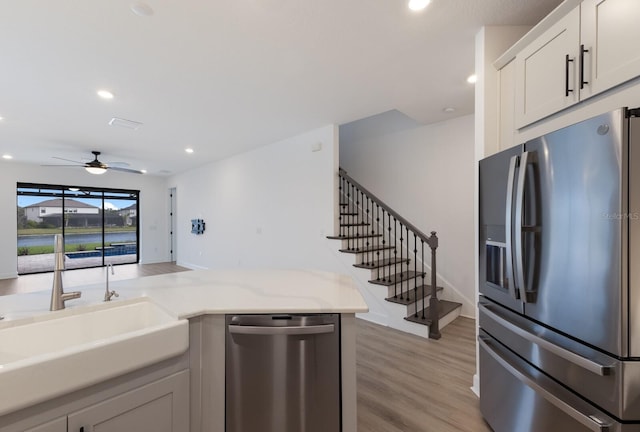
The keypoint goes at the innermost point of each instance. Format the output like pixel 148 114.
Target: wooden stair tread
pixel 356 237
pixel 400 277
pixel 349 214
pixel 410 296
pixel 445 308
pixel 367 249
pixel 382 263
pixel 355 224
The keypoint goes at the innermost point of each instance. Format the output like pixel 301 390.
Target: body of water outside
pixel 47 239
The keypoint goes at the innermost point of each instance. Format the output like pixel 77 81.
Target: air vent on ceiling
pixel 129 124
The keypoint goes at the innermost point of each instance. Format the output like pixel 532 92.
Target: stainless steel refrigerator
pixel 559 310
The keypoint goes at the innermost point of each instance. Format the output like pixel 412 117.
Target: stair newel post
pixel 434 305
pixel 378 238
pixel 395 257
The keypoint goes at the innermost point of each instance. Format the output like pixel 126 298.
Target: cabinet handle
pixel 582 81
pixel 567 90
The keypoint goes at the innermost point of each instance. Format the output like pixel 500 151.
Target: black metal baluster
pixel 354 217
pixel 355 226
pixel 415 263
pixel 340 206
pixel 401 263
pixel 395 257
pixel 348 218
pixel 378 239
pixel 389 250
pixel 352 239
pixel 369 253
pixel 384 242
pixel 423 274
pixel 408 280
pixel 365 257
pixel 361 228
pixel 354 232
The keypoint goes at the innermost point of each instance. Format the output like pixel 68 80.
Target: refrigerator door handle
pixel 519 271
pixel 578 360
pixel 509 228
pixel 591 422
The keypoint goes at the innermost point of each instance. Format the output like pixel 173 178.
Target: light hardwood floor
pixel 410 384
pixel 405 383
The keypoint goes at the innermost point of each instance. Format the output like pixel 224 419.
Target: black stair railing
pixel 390 243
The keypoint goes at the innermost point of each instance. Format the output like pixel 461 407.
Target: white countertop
pixel 200 292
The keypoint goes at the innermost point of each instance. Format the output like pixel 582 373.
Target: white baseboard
pixel 191 266
pixel 8 275
pixel 476 385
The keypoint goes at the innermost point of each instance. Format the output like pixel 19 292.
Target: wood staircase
pixel 393 251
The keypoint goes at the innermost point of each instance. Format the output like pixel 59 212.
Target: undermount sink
pixel 54 354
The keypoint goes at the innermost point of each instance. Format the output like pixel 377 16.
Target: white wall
pixel 426 174
pixel 154 237
pixel 271 207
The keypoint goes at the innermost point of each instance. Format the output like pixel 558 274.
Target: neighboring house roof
pixel 57 202
pixel 131 207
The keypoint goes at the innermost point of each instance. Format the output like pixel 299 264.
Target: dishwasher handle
pixel 275 331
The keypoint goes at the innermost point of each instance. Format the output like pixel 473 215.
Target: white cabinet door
pixel 547 71
pixel 609 30
pixel 162 406
pixel 57 425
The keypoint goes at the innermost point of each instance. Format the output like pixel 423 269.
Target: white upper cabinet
pixel 588 51
pixel 547 71
pixel 609 30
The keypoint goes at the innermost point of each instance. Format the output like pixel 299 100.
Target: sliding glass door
pixel 100 226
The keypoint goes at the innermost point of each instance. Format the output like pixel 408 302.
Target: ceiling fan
pixel 95 166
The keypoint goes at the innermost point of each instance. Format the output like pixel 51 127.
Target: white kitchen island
pixel 203 297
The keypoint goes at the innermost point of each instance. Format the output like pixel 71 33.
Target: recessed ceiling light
pixel 472 79
pixel 7 156
pixel 189 150
pixel 143 171
pixel 448 109
pixel 1 118
pixel 105 94
pixel 416 5
pixel 141 9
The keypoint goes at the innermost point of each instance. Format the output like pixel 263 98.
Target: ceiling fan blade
pixel 68 160
pixel 81 166
pixel 125 170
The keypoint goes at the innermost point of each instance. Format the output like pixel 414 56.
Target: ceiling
pixel 227 76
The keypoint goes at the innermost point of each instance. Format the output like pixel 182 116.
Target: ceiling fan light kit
pixel 95 170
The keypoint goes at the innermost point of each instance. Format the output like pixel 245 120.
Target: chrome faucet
pixel 58 296
pixel 108 294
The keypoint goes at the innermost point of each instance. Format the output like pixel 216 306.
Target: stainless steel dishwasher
pixel 283 373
